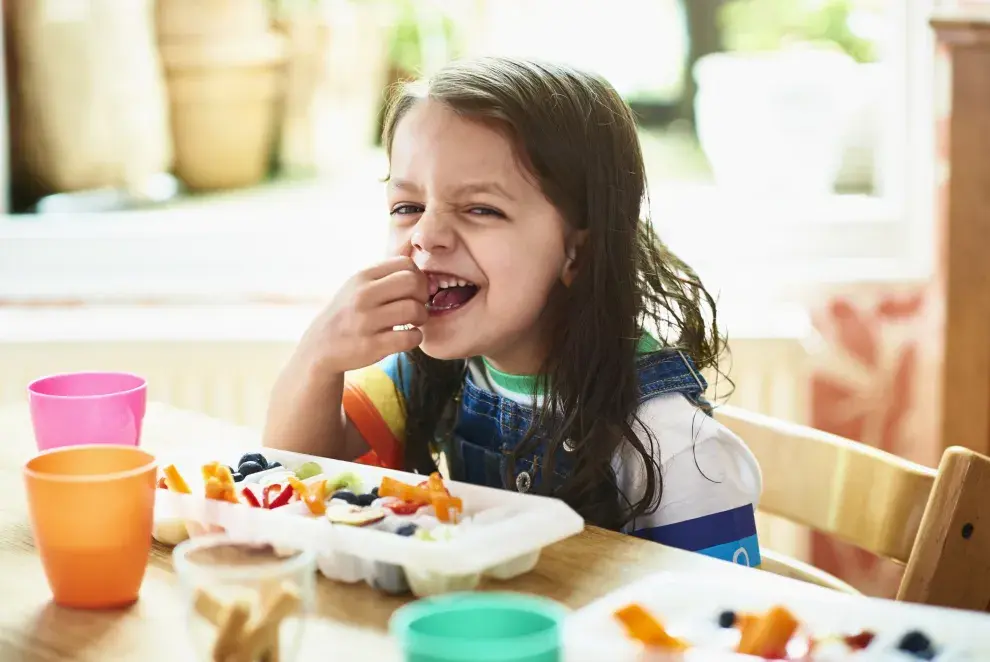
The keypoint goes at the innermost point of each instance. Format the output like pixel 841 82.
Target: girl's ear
pixel 573 263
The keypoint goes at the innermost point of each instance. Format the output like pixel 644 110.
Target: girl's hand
pixel 357 328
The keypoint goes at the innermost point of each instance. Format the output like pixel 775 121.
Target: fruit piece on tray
pixel 308 470
pixel 313 495
pixel 400 507
pixel 353 515
pixel 348 480
pixel 642 627
pixel 767 636
pixel 430 492
pixel 219 482
pixel 250 498
pixel 174 481
pixel 280 496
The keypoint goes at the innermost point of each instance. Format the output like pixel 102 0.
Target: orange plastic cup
pixel 91 510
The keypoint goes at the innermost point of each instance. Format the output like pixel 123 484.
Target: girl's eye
pixel 485 211
pixel 406 209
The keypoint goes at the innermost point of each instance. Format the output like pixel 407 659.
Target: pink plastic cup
pixel 87 408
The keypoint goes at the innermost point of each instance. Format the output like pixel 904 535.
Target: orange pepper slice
pixel 316 500
pixel 219 471
pixel 431 491
pixel 446 506
pixel 768 635
pixel 219 482
pixel 175 481
pixel 209 470
pixel 435 483
pixel 214 488
pixel 642 627
pixel 223 473
pixel 299 487
pixel 396 488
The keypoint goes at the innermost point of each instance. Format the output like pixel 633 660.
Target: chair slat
pixel 851 491
pixel 950 564
pixel 785 566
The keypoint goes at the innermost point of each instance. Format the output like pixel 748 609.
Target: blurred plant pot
pixel 775 123
pixel 307 37
pixel 224 97
pixel 87 100
pixel 178 20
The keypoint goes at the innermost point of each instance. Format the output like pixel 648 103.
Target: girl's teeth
pixel 457 282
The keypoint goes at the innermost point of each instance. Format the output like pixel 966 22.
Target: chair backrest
pixel 853 492
pixel 929 520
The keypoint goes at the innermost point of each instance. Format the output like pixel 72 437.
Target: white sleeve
pixel 711 481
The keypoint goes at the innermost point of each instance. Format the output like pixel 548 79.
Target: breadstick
pixel 231 630
pixel 273 654
pixel 259 634
pixel 207 606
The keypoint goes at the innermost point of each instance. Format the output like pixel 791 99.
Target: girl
pixel 531 330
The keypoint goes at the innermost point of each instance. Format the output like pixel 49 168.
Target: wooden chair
pixel 935 522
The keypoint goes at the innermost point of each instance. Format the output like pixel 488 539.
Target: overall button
pixel 569 445
pixel 523 481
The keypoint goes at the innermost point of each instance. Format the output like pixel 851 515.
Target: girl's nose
pixel 433 233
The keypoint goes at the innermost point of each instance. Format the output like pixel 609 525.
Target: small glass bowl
pixel 245 597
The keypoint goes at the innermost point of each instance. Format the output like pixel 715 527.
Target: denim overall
pixel 488 426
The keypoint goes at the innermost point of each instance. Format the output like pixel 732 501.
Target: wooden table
pixel 351 621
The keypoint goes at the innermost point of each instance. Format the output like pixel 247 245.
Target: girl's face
pixel 477 224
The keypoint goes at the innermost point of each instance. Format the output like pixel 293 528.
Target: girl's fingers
pixel 389 266
pixel 402 340
pixel 397 313
pixel 396 286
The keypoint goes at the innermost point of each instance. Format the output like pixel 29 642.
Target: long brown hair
pixel 578 138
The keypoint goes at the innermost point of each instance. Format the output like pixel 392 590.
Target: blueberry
pixel 273 465
pixel 344 495
pixel 727 619
pixel 374 492
pixel 366 499
pixel 250 467
pixel 406 530
pixel 917 644
pixel 257 458
pixel 238 477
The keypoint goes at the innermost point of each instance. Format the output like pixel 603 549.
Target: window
pixel 767 171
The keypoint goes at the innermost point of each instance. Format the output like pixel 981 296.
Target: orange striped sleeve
pixel 375 403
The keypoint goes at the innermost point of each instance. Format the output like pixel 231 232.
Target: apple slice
pixel 346 513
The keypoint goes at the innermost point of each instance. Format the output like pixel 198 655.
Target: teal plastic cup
pixel 480 627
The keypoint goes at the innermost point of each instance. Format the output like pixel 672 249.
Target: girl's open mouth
pixel 448 293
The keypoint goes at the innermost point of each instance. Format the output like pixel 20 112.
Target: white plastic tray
pixel 502 537
pixel 688 605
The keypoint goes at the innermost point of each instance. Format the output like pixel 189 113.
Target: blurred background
pixel 187 181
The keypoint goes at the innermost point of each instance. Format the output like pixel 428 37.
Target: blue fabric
pixel 488 426
pixel 729 535
pixel 704 532
pixel 741 552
